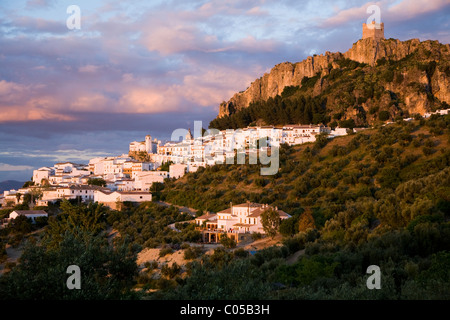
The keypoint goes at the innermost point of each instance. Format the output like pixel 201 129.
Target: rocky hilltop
pixel 415 85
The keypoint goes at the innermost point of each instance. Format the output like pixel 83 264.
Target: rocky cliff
pixel 367 51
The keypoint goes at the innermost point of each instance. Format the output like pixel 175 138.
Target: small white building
pixel 110 199
pixel 177 170
pixel 30 214
pixel 41 174
pixel 144 180
pixel 336 132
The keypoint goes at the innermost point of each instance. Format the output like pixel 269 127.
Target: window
pixel 140 197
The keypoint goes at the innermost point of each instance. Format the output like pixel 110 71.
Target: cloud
pixel 39 3
pixel 407 10
pixel 10 167
pixel 395 11
pixel 88 68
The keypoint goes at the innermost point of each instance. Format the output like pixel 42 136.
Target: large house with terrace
pixel 237 222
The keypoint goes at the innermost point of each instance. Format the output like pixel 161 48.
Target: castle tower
pixel 373 30
pixel 148 144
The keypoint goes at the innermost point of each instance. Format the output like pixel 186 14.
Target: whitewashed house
pixel 111 199
pixel 41 174
pixel 177 170
pixel 235 221
pixel 30 214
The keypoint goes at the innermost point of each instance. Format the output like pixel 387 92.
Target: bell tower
pixel 148 144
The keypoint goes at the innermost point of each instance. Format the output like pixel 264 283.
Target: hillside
pixel 378 197
pixel 369 166
pixel 389 75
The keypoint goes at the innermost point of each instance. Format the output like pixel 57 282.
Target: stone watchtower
pixel 148 144
pixel 373 30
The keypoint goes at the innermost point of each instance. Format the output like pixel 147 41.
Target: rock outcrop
pixel 367 51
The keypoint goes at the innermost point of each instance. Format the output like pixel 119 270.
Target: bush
pixel 256 236
pixel 227 242
pixel 384 115
pixel 170 272
pixel 165 251
pixel 192 253
pixel 151 265
pixel 428 151
pixel 241 253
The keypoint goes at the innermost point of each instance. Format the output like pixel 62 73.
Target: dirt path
pixel 294 257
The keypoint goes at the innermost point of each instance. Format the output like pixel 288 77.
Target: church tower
pixel 148 144
pixel 188 136
pixel 373 30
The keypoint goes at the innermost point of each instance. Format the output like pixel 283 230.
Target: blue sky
pixel 150 67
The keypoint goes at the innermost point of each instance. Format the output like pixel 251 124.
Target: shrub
pixel 241 253
pixel 165 251
pixel 256 236
pixel 428 151
pixel 384 115
pixel 227 242
pixel 192 253
pixel 170 272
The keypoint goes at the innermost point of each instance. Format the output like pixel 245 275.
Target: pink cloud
pixel 390 10
pixel 88 68
pixel 351 14
pixel 412 8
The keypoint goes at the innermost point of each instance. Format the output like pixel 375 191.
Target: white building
pixel 148 145
pixel 30 214
pixel 83 193
pixel 43 173
pixel 177 170
pixel 111 199
pixel 235 221
pixel 144 180
pixel 336 132
pixel 62 172
pixel 245 217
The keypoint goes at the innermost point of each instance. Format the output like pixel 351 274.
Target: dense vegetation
pixel 349 94
pixel 79 235
pixel 377 197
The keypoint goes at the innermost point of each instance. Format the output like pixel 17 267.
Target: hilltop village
pixel 125 178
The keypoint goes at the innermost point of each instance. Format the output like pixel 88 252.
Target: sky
pixel 149 67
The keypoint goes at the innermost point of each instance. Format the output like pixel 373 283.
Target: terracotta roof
pixel 251 204
pixel 228 210
pixel 207 216
pixel 257 213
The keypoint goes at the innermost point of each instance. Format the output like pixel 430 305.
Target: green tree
pixel 227 242
pixel 77 220
pixel 306 221
pixel 384 115
pixel 270 220
pixel 97 182
pixel 106 272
